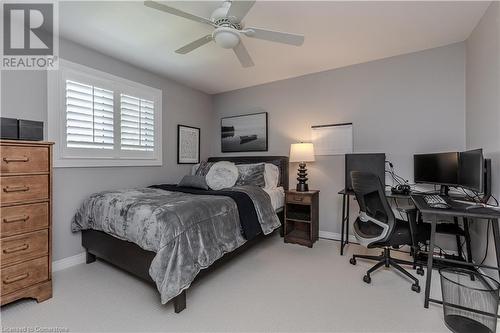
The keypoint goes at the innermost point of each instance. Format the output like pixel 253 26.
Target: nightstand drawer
pixel 24 247
pixel 17 159
pixel 25 218
pixel 299 199
pixel 24 275
pixel 22 188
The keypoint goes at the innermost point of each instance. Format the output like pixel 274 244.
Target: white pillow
pixel 271 175
pixel 222 175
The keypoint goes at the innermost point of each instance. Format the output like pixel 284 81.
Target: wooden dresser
pixel 25 217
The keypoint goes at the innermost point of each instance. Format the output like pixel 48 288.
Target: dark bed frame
pixel 133 259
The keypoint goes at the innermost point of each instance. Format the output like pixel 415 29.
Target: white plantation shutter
pixel 101 119
pixel 89 116
pixel 137 123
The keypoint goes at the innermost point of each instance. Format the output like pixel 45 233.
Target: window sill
pixel 96 163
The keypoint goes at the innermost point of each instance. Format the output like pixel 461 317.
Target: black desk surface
pixel 388 194
pixel 457 209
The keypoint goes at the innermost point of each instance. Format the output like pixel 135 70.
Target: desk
pixel 346 194
pixel 457 210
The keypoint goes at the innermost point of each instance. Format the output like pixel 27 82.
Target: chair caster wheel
pixel 367 279
pixel 352 261
pixel 420 271
pixel 415 288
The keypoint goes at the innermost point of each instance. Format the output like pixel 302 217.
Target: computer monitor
pixel 440 169
pixel 471 170
pixel 374 163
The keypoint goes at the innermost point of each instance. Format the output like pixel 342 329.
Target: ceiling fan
pixel 229 28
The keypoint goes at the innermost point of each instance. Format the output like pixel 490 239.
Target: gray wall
pixel 401 106
pixel 483 108
pixel 24 95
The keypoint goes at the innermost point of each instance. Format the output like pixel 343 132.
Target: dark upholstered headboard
pixel 280 161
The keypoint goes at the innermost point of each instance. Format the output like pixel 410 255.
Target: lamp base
pixel 302 185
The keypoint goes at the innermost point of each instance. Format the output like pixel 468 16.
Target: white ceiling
pixel 337 34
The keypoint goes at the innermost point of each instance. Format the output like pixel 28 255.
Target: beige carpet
pixel 272 287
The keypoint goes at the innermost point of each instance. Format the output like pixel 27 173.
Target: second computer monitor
pixel 440 168
pixel 471 170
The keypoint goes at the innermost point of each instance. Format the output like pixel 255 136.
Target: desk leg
pixel 496 238
pixel 467 240
pixel 347 221
pixel 458 239
pixel 430 257
pixel 343 226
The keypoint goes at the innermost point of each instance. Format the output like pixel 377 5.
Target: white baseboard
pixel 80 258
pixel 336 236
pixel 68 262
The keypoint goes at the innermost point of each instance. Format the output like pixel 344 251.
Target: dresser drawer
pixel 24 218
pixel 24 275
pixel 22 188
pixel 24 247
pixel 299 199
pixel 16 159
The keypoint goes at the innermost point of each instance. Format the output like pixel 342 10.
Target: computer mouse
pixel 441 206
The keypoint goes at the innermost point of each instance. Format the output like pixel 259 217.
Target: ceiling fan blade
pixel 239 9
pixel 177 12
pixel 241 52
pixel 194 45
pixel 274 36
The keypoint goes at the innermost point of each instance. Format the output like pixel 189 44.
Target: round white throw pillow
pixel 222 175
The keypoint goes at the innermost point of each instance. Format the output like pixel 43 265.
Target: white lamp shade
pixel 302 152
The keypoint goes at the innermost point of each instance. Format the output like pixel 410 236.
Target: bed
pixel 144 260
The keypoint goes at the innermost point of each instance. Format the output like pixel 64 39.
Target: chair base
pixel 386 260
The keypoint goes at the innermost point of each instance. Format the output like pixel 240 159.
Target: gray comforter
pixel 188 232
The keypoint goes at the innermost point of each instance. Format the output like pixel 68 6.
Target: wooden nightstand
pixel 301 217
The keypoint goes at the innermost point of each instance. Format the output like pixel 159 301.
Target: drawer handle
pixel 298 198
pixel 16 159
pixel 15 278
pixel 23 218
pixel 16 249
pixel 9 189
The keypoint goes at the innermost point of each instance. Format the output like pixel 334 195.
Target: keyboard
pixel 435 201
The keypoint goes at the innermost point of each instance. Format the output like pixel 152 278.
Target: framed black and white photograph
pixel 244 133
pixel 188 144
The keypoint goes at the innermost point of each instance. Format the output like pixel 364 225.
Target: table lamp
pixel 302 152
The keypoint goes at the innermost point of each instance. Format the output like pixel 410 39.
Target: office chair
pixel 377 226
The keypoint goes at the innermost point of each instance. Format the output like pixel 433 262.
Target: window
pixel 97 119
pixel 89 116
pixel 137 123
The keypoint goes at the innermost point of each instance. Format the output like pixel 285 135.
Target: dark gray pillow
pixel 203 168
pixel 251 174
pixel 194 182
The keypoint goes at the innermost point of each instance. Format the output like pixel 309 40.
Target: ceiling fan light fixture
pixel 226 38
pixel 229 28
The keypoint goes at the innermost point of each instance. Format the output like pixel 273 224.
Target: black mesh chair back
pixel 373 204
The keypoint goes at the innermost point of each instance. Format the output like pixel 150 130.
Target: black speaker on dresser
pixel 30 130
pixel 21 129
pixel 9 128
